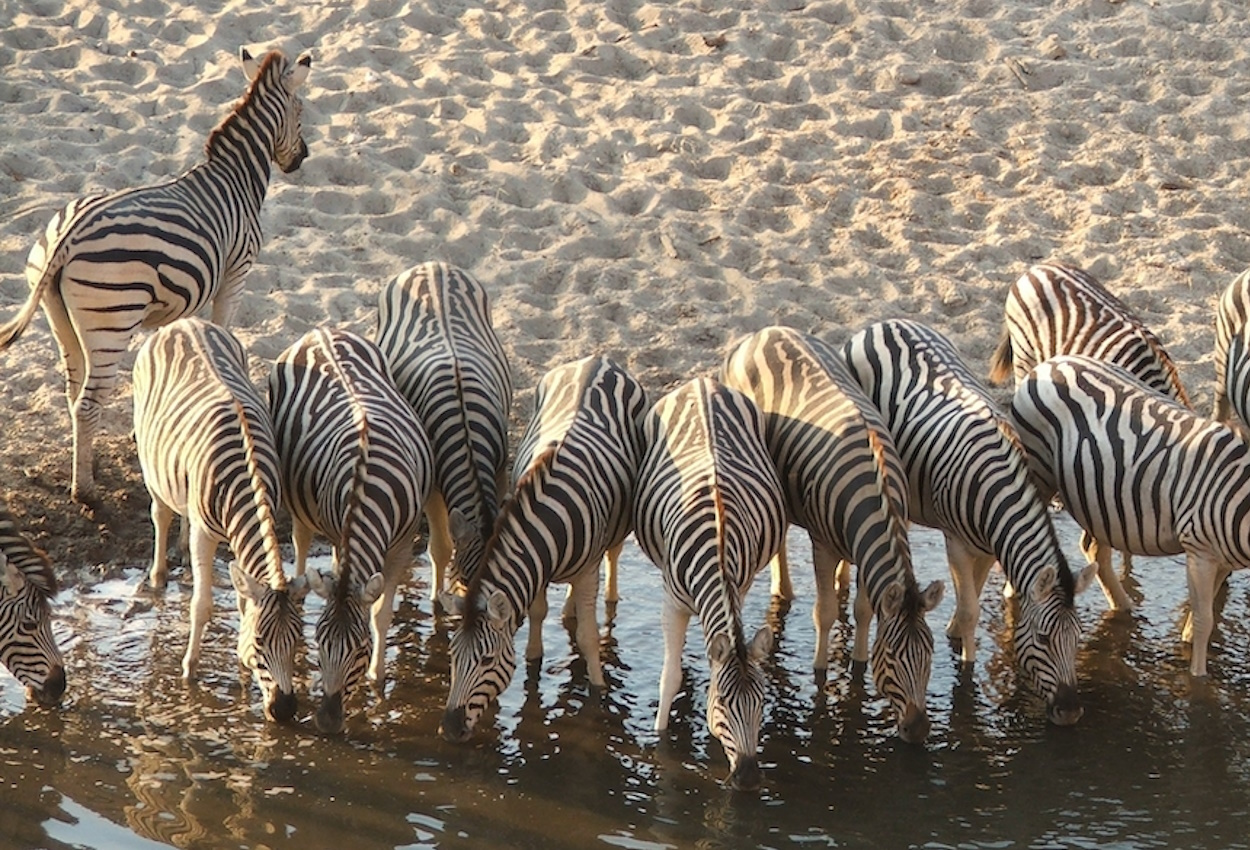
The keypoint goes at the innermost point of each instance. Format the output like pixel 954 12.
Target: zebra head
pixel 279 81
pixel 902 654
pixel 27 647
pixel 735 703
pixel 483 659
pixel 1046 638
pixel 343 639
pixel 271 625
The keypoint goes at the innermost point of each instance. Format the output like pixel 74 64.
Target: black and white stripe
pixel 208 454
pixel 576 471
pixel 108 265
pixel 356 468
pixel 435 330
pixel 1232 353
pixel 845 484
pixel 27 586
pixel 710 513
pixel 1141 473
pixel 967 476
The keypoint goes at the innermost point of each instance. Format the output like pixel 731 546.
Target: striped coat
pixel 208 454
pixel 356 469
pixel 1232 353
pixel 435 330
pixel 27 585
pixel 108 265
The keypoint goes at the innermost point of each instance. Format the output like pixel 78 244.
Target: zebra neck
pixel 240 151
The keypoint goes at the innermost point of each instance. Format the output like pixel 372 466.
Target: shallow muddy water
pixel 137 759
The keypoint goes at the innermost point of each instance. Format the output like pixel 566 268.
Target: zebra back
pixel 571 503
pixel 1054 309
pixel 28 648
pixel 435 331
pixel 1232 325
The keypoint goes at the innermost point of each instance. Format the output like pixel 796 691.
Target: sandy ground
pixel 646 180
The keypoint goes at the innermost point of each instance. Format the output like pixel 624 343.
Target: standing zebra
pixel 208 454
pixel 576 471
pixel 1232 352
pixel 710 513
pixel 1141 473
pixel 107 265
pixel 356 468
pixel 845 484
pixel 967 475
pixel 434 328
pixel 27 647
pixel 1054 309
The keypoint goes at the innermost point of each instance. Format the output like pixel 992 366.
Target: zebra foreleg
pixel 969 570
pixel 1117 598
pixel 673 620
pixel 782 587
pixel 1204 575
pixel 441 547
pixel 534 641
pixel 825 611
pixel 203 547
pixel 863 616
pixel 398 564
pixel 301 537
pixel 584 592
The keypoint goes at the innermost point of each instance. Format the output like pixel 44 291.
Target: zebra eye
pixel 1043 639
pixel 488 660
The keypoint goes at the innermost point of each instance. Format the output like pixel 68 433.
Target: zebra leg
pixel 537 613
pixel 301 537
pixel 203 547
pixel 1203 574
pixel 611 564
pixel 863 616
pixel 584 591
pixel 1107 578
pixel 843 579
pixel 969 569
pixel 782 587
pixel 440 549
pixel 673 620
pixel 825 610
pixel 398 564
pixel 102 348
pixel 162 516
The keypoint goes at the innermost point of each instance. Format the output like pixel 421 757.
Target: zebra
pixel 1140 472
pixel 1057 309
pixel 109 264
pixel 967 475
pixel 710 513
pixel 207 451
pixel 356 467
pixel 27 586
pixel 576 470
pixel 1232 340
pixel 844 483
pixel 434 328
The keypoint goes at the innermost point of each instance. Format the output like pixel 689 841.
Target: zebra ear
pixel 1086 578
pixel 297 75
pixel 297 588
pixel 245 584
pixel 250 65
pixel 1043 584
pixel 497 608
pixel 12 580
pixel 320 583
pixel 372 589
pixel 761 644
pixel 893 598
pixel 719 650
pixel 932 595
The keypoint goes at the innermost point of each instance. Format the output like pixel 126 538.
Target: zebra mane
pixel 264 510
pixel 355 497
pixel 1169 367
pixel 898 533
pixel 29 559
pixel 271 69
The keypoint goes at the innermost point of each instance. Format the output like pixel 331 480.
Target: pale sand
pixel 646 180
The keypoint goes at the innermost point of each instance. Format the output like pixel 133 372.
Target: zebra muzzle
pixel 329 718
pixel 746 774
pixel 914 727
pixel 1064 709
pixel 49 696
pixel 283 706
pixel 455 726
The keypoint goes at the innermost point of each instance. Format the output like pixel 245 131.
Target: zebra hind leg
pixel 1204 575
pixel 674 621
pixel 584 591
pixel 825 610
pixel 203 547
pixel 162 516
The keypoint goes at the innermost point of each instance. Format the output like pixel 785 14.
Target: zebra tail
pixel 355 496
pixel 47 259
pixel 1002 360
pixel 264 506
pixel 13 329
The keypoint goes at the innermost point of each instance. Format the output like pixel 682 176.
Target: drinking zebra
pixel 356 468
pixel 576 471
pixel 710 513
pixel 434 328
pixel 107 265
pixel 1055 309
pixel 1232 353
pixel 1140 472
pixel 207 451
pixel 27 646
pixel 967 476
pixel 844 483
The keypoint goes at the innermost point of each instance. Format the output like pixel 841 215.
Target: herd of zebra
pixel 359 438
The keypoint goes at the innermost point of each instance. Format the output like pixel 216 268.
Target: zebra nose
pixel 53 688
pixel 746 774
pixel 282 707
pixel 914 727
pixel 297 160
pixel 330 714
pixel 1065 708
pixel 455 727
